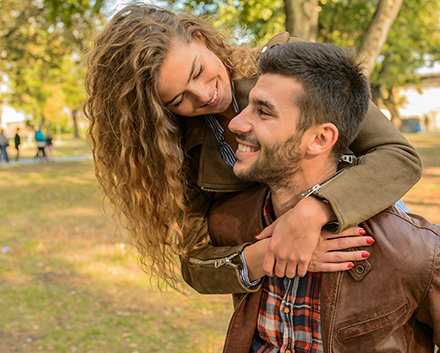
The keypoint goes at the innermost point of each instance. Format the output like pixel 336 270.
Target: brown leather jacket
pixel 388 168
pixel 388 303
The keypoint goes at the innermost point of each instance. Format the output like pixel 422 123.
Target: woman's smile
pixel 193 81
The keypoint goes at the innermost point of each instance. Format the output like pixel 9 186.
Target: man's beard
pixel 276 165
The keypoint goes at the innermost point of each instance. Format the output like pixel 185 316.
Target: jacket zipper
pixel 314 189
pixel 216 262
pixel 334 313
pixel 219 190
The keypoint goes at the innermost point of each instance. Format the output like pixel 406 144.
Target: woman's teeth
pixel 213 98
pixel 244 148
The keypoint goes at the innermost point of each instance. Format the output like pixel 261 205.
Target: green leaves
pixel 42 42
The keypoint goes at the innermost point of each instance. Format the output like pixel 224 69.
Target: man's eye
pixel 262 112
pixel 202 68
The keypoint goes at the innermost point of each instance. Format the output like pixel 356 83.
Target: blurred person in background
pixel 17 142
pixel 4 144
pixel 41 144
pixel 49 145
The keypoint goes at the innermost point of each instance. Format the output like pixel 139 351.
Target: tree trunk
pixel 377 32
pixel 58 127
pixel 75 124
pixel 376 94
pixel 302 18
pixel 391 104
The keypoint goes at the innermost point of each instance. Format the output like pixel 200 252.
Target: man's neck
pixel 287 196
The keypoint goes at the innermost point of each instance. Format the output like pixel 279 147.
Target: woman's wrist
pixel 254 256
pixel 320 211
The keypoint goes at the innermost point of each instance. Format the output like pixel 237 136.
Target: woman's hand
pixel 331 254
pixel 295 237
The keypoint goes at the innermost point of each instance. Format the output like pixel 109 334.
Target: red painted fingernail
pixel 350 265
pixel 370 241
pixel 257 234
pixel 365 254
pixel 362 231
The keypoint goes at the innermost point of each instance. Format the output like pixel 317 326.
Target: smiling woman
pixel 201 82
pixel 162 88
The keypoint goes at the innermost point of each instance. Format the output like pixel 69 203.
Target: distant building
pixel 424 106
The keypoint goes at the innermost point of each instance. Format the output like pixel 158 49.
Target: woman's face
pixel 194 81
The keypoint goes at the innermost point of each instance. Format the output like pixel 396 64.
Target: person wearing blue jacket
pixel 41 143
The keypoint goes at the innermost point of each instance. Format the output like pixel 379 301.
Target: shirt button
pixel 286 310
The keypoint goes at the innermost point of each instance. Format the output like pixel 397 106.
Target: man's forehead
pixel 276 89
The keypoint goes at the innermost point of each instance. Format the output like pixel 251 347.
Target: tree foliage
pixel 42 43
pixel 413 40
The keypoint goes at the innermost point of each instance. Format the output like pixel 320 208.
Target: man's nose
pixel 241 123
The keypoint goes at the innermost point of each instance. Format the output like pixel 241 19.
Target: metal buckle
pixel 347 158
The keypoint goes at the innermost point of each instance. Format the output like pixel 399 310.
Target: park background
pixel 69 281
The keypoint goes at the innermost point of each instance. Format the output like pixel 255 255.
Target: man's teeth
pixel 213 98
pixel 244 148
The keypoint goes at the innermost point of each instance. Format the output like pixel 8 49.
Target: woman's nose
pixel 201 92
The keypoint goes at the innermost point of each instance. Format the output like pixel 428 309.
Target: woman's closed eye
pixel 201 69
pixel 179 102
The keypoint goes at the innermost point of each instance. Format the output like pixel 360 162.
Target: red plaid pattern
pixel 289 317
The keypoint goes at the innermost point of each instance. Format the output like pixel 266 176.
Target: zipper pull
pixel 226 261
pixel 311 191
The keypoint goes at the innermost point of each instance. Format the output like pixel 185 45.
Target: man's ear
pixel 323 137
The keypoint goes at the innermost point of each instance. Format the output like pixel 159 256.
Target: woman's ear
pixel 322 139
pixel 199 36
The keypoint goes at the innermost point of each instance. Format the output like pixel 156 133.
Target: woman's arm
pixel 215 269
pixel 212 269
pixel 388 166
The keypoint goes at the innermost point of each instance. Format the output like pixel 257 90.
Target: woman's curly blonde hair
pixel 136 141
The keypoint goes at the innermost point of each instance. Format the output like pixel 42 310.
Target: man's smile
pixel 247 148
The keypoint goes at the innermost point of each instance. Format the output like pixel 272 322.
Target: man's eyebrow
pixel 193 66
pixel 264 103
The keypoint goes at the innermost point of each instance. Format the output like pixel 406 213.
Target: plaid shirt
pixel 289 319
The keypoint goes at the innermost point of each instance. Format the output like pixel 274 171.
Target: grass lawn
pixel 424 197
pixel 69 284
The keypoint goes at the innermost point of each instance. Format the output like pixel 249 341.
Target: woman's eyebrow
pixel 192 69
pixel 193 66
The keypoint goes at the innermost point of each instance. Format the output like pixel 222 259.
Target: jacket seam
pixel 376 317
pixel 234 318
pixel 436 232
pixel 437 235
pixel 432 270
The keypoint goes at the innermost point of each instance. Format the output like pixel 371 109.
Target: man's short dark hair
pixel 335 89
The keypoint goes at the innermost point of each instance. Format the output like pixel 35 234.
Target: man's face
pixel 269 149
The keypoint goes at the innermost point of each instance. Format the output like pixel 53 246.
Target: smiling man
pixel 307 107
